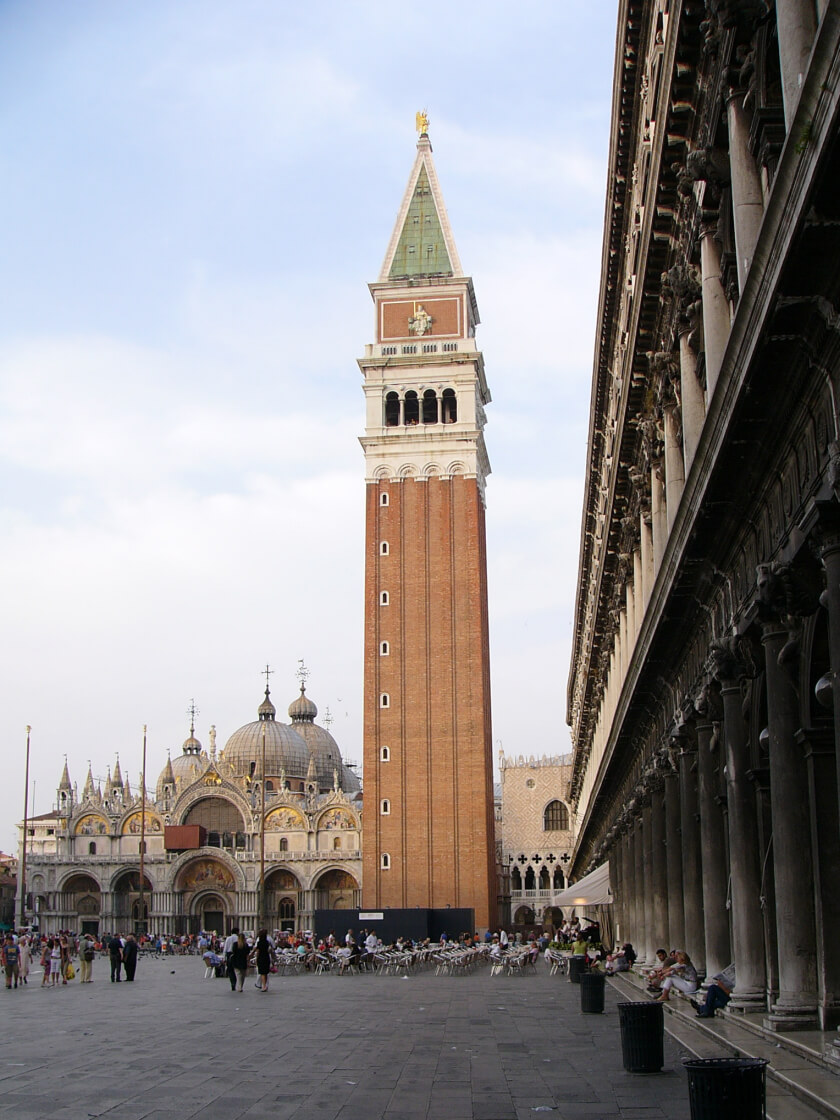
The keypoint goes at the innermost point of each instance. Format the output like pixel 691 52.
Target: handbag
pixel 70 973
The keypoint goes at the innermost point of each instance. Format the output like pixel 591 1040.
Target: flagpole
pixel 142 903
pixel 25 830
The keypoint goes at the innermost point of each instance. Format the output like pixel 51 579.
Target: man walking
pixel 87 952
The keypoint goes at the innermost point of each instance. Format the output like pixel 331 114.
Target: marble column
pixel 658 512
pixel 796 1007
pixel 673 849
pixel 693 400
pixel 646 549
pixel 659 866
pixel 638 588
pixel 630 605
pixel 692 865
pixel 674 466
pixel 715 912
pixel 747 199
pixel 796 25
pixel 716 319
pixel 744 857
pixel 641 888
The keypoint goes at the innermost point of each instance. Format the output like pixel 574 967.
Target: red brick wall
pixel 440 830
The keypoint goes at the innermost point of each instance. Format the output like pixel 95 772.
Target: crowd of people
pixel 65 954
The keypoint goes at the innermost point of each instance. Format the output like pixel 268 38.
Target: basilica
pixel 277 808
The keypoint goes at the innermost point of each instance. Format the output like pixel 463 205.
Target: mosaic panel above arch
pixel 133 825
pixel 283 819
pixel 91 825
pixel 337 818
pixel 206 874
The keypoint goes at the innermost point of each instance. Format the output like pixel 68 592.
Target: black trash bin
pixel 726 1088
pixel 592 991
pixel 642 1036
pixel 577 967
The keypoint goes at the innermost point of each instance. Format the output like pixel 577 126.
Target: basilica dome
pixel 285 750
pixel 185 767
pixel 322 747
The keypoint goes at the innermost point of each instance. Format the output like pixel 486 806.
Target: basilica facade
pixel 704 698
pixel 202 864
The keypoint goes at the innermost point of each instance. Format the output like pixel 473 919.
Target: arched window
pixel 558 879
pixel 412 408
pixel 430 407
pixel 515 880
pixel 530 879
pixel 383 548
pixel 284 844
pixel 385 861
pixel 383 649
pixel 383 598
pixel 449 407
pixel 384 754
pixel 556 817
pixel 287 909
pixel 384 700
pixel 269 786
pixel 385 807
pixel 337 843
pixel 92 848
pixel 392 413
pixel 384 500
pixel 545 880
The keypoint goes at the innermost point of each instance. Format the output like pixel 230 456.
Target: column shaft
pixel 659 867
pixel 673 848
pixel 792 868
pixel 658 510
pixel 747 199
pixel 693 401
pixel 715 913
pixel 796 23
pixel 695 941
pixel 716 321
pixel 674 467
pixel 648 565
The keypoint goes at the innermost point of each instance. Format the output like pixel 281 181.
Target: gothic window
pixel 392 412
pixel 383 499
pixel 558 879
pixel 384 754
pixel 383 649
pixel 545 881
pixel 412 408
pixel 449 407
pixel 530 879
pixel 383 548
pixel 284 844
pixel 515 880
pixel 384 700
pixel 556 817
pixel 383 598
pixel 92 848
pixel 385 807
pixel 287 909
pixel 385 861
pixel 430 407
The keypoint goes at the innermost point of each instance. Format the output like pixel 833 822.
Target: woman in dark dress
pixel 263 956
pixel 238 962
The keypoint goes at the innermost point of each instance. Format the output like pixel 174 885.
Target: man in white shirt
pixel 230 941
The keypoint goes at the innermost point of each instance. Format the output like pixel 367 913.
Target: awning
pixel 592 890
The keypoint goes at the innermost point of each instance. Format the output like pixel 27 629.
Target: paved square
pixel 173 1046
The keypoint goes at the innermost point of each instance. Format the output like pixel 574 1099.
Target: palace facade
pixel 203 830
pixel 704 697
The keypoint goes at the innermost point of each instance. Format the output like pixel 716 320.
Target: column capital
pixel 731 659
pixel 821 521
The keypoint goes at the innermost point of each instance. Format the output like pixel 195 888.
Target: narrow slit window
pixel 384 754
pixel 385 861
pixel 385 807
pixel 383 548
pixel 383 649
pixel 383 598
pixel 384 700
pixel 384 499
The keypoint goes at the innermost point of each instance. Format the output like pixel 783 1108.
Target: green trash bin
pixel 642 1036
pixel 727 1088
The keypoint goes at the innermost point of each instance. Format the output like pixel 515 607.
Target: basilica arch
pixel 336 889
pixel 224 818
pixel 125 897
pixel 282 898
pixel 78 901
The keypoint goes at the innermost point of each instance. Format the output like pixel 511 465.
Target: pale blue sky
pixel 196 195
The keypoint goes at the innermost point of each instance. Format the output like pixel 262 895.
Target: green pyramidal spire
pixel 421 249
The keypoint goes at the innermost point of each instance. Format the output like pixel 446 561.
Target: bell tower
pixel 429 827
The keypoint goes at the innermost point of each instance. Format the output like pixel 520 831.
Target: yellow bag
pixel 70 974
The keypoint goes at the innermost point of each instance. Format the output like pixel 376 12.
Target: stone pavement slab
pixel 173 1046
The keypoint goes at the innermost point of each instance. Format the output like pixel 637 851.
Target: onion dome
pixel 321 745
pixel 285 750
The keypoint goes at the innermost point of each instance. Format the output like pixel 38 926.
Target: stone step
pixel 795 1081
